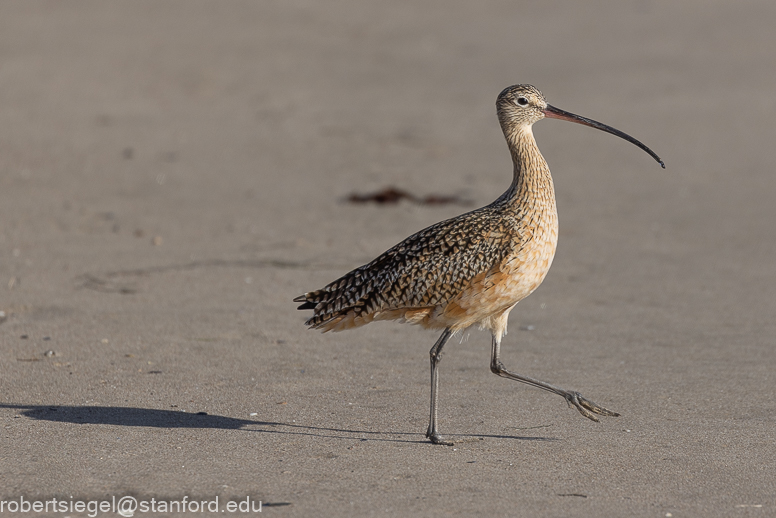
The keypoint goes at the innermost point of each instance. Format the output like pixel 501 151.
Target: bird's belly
pixel 497 290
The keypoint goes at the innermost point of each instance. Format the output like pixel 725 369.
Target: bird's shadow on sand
pixel 155 418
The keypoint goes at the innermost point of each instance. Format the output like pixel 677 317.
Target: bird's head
pixel 520 105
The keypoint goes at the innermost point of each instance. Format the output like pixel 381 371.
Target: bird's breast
pixel 526 261
pixel 527 266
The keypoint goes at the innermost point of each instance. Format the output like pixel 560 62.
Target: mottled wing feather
pixel 425 270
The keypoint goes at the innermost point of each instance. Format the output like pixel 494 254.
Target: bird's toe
pixel 587 408
pixel 435 438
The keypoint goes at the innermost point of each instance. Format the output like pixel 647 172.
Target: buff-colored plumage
pixel 464 271
pixel 471 269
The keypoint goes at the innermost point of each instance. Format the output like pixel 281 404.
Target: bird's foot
pixel 435 438
pixel 586 407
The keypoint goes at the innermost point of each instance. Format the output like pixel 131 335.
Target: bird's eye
pixel 522 101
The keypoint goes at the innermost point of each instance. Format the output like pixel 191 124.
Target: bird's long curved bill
pixel 556 113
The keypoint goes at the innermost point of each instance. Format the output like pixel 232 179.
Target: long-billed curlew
pixel 471 269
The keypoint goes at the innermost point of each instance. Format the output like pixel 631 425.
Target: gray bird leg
pixel 586 407
pixel 436 357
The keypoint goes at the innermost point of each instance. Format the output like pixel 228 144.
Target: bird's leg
pixel 436 357
pixel 586 407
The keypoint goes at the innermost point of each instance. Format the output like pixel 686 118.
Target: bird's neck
pixel 532 181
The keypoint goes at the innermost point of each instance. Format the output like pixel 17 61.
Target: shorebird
pixel 471 269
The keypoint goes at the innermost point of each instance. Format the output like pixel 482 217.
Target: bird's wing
pixel 425 270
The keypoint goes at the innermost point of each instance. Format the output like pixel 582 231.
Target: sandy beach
pixel 173 174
